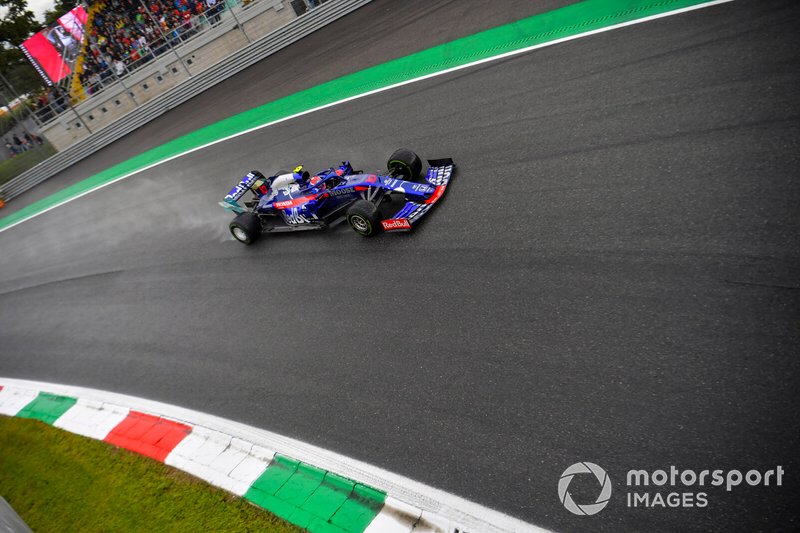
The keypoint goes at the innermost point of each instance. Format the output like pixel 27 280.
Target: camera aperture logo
pixel 586 509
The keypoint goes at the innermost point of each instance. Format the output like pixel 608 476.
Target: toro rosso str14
pixel 291 201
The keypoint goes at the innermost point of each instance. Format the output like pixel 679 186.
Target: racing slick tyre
pixel 246 228
pixel 365 218
pixel 406 163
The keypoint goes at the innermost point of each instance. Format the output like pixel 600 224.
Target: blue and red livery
pixel 296 200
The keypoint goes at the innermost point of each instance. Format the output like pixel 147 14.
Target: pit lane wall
pixel 308 486
pixel 156 88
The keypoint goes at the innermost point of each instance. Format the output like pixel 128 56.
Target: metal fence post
pixel 59 94
pixel 160 31
pixel 239 23
pixel 127 90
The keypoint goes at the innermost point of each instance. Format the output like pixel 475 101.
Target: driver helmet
pixel 261 184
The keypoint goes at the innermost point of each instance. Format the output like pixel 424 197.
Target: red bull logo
pixel 394 224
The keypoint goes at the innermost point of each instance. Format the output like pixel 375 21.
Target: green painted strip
pixel 47 407
pixel 358 510
pixel 565 22
pixel 317 500
pixel 277 473
pixel 301 485
pixel 330 495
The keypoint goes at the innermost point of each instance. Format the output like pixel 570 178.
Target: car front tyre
pixel 365 218
pixel 406 164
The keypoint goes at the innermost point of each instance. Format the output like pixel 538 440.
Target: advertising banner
pixel 53 51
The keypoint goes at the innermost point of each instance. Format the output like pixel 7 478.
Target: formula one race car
pixel 291 201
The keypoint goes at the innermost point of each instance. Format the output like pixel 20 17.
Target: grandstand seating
pixel 125 34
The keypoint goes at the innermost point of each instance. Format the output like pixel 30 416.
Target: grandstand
pixel 128 33
pixel 123 36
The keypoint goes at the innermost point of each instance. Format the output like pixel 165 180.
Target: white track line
pixel 375 91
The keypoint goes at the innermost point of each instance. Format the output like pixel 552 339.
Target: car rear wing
pixel 254 181
pixel 440 171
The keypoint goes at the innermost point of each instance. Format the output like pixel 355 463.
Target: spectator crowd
pixel 16 145
pixel 128 33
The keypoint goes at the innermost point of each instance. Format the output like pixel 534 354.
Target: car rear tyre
pixel 365 218
pixel 405 163
pixel 246 228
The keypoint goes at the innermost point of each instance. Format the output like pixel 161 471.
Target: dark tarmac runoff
pixel 612 275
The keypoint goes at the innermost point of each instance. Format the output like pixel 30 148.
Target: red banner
pixel 53 51
pixel 45 58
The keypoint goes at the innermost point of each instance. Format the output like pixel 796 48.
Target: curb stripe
pixel 396 517
pixel 224 461
pixel 307 496
pixel 314 499
pixel 13 400
pixel 336 495
pixel 148 435
pixel 92 419
pixel 329 496
pixel 360 508
pixel 570 22
pixel 47 407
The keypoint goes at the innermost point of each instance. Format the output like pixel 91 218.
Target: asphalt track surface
pixel 612 277
pixel 374 34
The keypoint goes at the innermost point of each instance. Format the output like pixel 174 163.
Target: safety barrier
pixel 219 72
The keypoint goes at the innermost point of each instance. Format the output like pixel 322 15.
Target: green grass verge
pixel 13 167
pixel 59 481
